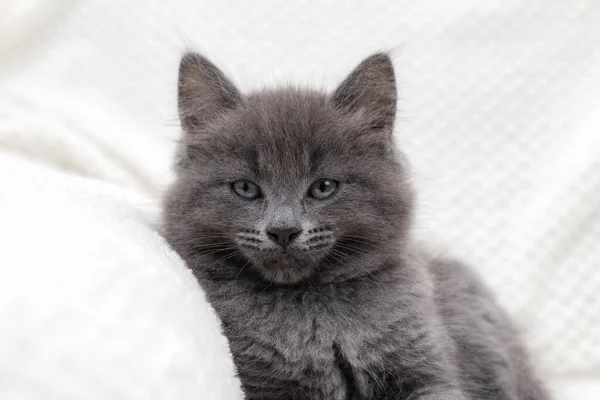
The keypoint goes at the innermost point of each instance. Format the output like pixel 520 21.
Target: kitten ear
pixel 371 87
pixel 204 92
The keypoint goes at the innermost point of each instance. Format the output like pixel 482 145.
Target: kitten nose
pixel 283 236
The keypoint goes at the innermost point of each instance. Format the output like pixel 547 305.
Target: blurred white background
pixel 499 114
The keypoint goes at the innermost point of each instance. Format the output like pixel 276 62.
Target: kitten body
pixel 293 209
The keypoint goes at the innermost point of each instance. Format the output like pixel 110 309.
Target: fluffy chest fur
pixel 330 342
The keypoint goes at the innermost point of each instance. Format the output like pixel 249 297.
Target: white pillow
pixel 93 303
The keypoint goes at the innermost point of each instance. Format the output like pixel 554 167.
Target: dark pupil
pixel 245 187
pixel 324 186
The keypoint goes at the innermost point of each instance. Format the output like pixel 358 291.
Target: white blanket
pixel 500 115
pixel 93 303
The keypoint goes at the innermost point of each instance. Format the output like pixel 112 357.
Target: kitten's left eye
pixel 323 188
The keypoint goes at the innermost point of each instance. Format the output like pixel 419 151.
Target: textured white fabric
pixel 93 303
pixel 499 113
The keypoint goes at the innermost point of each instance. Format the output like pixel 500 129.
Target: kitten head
pixel 287 185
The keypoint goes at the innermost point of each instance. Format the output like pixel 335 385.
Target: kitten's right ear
pixel 204 92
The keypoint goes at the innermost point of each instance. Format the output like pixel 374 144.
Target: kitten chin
pixel 279 274
pixel 294 210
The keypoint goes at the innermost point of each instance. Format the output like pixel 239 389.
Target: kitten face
pixel 289 185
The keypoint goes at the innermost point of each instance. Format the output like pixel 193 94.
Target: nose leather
pixel 283 236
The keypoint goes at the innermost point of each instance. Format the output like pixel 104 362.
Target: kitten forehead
pixel 289 126
pixel 289 115
pixel 279 132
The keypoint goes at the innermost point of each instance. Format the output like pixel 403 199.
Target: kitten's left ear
pixel 371 87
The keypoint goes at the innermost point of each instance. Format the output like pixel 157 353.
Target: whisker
pixel 350 259
pixel 355 249
pixel 221 259
pixel 361 238
pixel 209 245
pixel 213 251
pixel 241 269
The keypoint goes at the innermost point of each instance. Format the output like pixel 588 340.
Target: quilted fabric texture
pixel 499 113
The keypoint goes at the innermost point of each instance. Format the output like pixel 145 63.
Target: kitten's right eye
pixel 246 189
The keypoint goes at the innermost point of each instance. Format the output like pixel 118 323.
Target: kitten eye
pixel 323 188
pixel 246 189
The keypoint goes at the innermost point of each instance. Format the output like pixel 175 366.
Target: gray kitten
pixel 294 210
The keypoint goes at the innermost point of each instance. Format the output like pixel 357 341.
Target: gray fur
pixel 353 309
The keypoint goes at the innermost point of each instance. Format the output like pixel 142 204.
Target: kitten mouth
pixel 284 266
